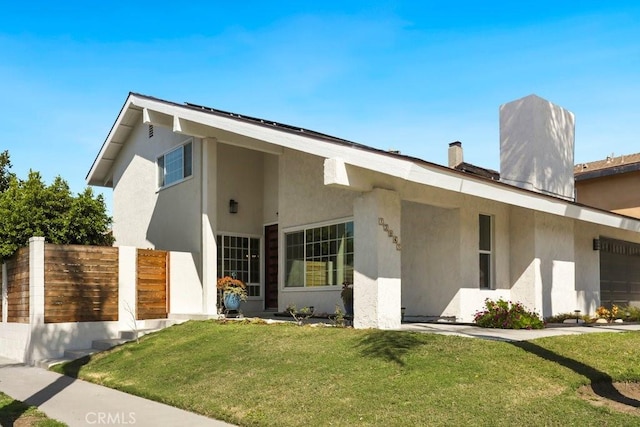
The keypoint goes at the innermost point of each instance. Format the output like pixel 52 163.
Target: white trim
pixel 404 168
pixel 294 228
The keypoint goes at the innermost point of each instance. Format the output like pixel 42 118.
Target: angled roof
pixel 479 171
pixel 607 167
pixel 274 137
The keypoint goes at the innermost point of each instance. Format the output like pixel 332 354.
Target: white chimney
pixel 455 154
pixel 537 146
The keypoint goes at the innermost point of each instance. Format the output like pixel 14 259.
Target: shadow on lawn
pixel 601 382
pixel 71 369
pixel 388 345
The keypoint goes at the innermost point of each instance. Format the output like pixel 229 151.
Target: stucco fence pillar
pixel 377 276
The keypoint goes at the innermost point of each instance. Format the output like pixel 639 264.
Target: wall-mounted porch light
pixel 233 206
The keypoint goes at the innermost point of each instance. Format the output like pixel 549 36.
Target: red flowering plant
pixel 231 285
pixel 507 315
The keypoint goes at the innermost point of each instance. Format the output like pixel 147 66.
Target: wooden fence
pixel 80 283
pixel 18 287
pixel 152 284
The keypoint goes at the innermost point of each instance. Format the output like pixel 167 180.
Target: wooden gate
pixel 152 285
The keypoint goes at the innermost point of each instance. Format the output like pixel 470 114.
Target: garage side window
pixel 485 250
pixel 175 165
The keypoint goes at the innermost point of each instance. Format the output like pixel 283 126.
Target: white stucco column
pixel 127 304
pixel 209 191
pixel 36 281
pixel 377 289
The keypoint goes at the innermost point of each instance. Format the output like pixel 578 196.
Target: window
pixel 175 165
pixel 240 256
pixel 485 251
pixel 320 256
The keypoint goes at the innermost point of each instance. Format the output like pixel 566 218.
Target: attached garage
pixel 619 272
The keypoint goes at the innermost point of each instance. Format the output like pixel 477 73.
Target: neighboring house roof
pixel 477 170
pixel 273 137
pixel 607 167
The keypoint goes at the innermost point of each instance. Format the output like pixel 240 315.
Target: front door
pixel 271 267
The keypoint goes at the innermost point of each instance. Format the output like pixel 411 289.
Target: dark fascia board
pixel 601 173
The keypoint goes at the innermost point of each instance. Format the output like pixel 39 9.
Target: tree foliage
pixel 5 175
pixel 30 208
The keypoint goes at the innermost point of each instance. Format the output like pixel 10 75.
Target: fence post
pixel 5 296
pixel 127 269
pixel 36 281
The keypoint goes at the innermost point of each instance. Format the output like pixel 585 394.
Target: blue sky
pixel 411 75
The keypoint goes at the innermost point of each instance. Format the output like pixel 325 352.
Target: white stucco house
pixel 295 213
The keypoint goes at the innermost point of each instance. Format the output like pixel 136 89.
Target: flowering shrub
pixel 507 315
pixel 605 313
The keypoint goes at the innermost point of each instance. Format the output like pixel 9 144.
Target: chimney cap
pixel 455 144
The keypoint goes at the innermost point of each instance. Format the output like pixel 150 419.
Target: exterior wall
pixel 587 267
pixel 240 175
pixel 430 259
pixel 616 193
pixel 526 285
pixel 303 200
pixel 144 216
pixel 554 240
pixel 185 290
pixel 440 269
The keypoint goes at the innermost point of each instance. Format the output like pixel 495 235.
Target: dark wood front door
pixel 271 267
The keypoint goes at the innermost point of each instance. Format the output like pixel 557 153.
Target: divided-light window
pixel 319 256
pixel 175 165
pixel 240 257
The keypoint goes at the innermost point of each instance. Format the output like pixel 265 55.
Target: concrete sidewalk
pixel 79 403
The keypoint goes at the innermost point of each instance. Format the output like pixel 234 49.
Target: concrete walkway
pixel 79 403
pixel 513 334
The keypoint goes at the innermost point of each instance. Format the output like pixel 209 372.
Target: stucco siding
pixel 240 175
pixel 304 200
pixel 523 266
pixel 554 242
pixel 144 216
pixel 587 267
pixel 617 193
pixel 430 259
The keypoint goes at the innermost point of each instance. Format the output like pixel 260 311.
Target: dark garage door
pixel 619 272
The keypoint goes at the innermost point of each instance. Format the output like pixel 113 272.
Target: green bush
pixel 507 315
pixel 560 318
pixel 629 313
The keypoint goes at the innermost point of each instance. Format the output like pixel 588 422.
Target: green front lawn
pixel 13 412
pixel 285 375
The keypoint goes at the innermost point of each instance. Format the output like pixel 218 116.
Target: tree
pixel 31 208
pixel 5 175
